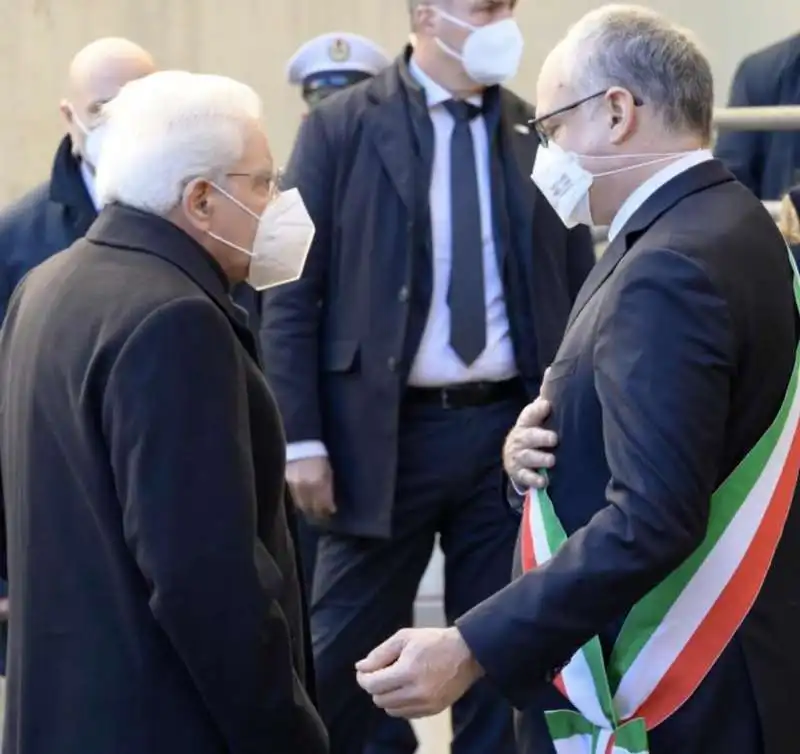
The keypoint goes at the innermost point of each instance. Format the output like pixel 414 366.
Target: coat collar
pixel 68 188
pixel 124 227
pixel 695 179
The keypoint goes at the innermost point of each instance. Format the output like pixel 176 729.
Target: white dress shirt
pixel 436 364
pixel 88 181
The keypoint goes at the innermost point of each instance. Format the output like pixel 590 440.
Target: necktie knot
pixel 461 111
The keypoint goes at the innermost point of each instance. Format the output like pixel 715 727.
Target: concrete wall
pixel 251 39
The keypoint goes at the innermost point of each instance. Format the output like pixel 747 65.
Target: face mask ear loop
pixel 634 167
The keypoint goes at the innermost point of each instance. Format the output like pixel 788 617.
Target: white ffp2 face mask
pixel 565 183
pixel 92 140
pixel 283 237
pixel 492 53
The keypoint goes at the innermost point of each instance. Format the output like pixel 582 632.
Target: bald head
pixel 96 75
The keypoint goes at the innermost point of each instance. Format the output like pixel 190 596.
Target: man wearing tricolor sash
pixel 657 599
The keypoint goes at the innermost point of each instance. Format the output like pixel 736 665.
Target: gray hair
pixel 657 61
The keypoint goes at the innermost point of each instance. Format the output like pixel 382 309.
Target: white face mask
pixel 565 183
pixel 93 140
pixel 283 237
pixel 491 53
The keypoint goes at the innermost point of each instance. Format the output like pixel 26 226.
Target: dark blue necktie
pixel 465 296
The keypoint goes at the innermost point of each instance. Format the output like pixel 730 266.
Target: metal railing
pixel 783 118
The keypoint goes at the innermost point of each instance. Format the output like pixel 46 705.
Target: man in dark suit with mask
pixel 321 67
pixel 58 212
pixel 436 291
pixel 657 604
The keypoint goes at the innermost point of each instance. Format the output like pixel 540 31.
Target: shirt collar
pixel 652 184
pixel 89 182
pixel 436 94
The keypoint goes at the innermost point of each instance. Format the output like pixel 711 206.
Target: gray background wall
pixel 251 40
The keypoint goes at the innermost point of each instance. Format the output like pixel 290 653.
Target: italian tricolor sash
pixel 674 634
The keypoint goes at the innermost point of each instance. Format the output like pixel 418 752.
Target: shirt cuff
pixel 521 491
pixel 298 451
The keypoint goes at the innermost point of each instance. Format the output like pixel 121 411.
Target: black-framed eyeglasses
pixel 537 123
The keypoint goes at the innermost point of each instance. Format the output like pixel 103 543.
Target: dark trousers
pixel 449 482
pixel 391 735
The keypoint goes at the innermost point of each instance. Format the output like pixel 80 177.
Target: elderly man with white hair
pixel 657 604
pixel 147 538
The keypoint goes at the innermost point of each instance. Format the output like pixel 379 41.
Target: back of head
pixel 96 75
pixel 167 129
pixel 635 48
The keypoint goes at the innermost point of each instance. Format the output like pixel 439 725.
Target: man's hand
pixel 4 610
pixel 311 483
pixel 419 671
pixel 524 452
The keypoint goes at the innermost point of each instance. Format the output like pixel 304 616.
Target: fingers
pixel 322 504
pixel 527 479
pixel 384 654
pixel 534 413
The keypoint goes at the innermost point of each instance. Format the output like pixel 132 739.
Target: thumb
pixel 384 654
pixel 534 413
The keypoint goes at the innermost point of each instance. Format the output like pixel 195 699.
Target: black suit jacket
pixel 676 360
pixel 155 594
pixel 46 220
pixel 339 343
pixel 767 162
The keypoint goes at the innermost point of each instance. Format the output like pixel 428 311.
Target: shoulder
pixel 179 334
pixel 24 213
pixel 516 106
pixel 771 60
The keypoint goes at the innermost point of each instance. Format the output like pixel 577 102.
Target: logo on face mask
pixel 284 233
pixel 491 54
pixel 564 183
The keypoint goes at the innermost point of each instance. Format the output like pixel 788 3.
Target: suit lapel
pixel 68 190
pixel 388 126
pixel 518 150
pixel 693 180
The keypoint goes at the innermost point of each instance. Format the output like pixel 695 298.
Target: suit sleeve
pixel 662 369
pixel 175 416
pixel 291 313
pixel 580 258
pixel 742 152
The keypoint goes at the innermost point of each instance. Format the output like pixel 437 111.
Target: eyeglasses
pixel 537 124
pixel 267 183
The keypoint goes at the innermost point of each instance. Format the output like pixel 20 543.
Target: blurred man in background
pixel 332 62
pixel 435 292
pixel 156 599
pixel 59 211
pixel 321 67
pixel 767 162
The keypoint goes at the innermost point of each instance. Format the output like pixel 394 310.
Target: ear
pixel 423 19
pixel 197 203
pixel 621 110
pixel 66 111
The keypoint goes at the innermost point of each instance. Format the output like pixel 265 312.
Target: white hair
pixel 636 48
pixel 166 129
